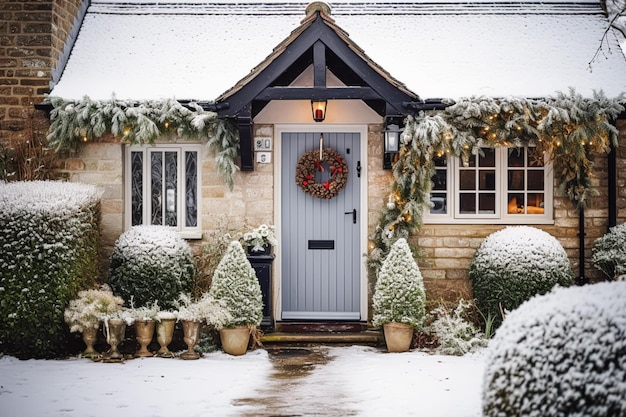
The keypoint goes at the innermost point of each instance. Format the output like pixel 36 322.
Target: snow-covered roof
pixel 141 49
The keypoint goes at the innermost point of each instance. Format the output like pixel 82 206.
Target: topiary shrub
pixel 236 285
pixel 151 264
pixel 561 354
pixel 399 294
pixel 49 237
pixel 609 252
pixel 514 264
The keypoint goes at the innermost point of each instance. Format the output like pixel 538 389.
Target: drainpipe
pixel 612 185
pixel 581 280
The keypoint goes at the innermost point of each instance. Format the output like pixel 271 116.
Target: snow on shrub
pixel 236 285
pixel 49 236
pixel 151 264
pixel 399 294
pixel 456 335
pixel 561 354
pixel 609 252
pixel 514 264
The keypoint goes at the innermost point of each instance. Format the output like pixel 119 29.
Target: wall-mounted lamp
pixel 392 145
pixel 318 109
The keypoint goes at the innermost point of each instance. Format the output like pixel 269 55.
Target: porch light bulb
pixel 392 138
pixel 318 109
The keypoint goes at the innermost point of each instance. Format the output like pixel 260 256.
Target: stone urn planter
pixel 398 336
pixel 144 331
pixel 235 340
pixel 90 335
pixel 191 334
pixel 165 333
pixel 114 330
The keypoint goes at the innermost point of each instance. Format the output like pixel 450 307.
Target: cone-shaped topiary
pixel 514 264
pixel 609 252
pixel 151 264
pixel 399 294
pixel 235 283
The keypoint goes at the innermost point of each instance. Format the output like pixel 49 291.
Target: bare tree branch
pixel 615 10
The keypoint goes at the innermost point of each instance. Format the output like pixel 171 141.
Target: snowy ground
pixel 350 381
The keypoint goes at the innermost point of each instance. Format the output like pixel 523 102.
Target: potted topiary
pixel 236 285
pixel 399 297
pixel 193 313
pixel 85 312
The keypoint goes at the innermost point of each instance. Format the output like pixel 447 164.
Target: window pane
pixel 535 158
pixel 156 185
pixel 440 161
pixel 487 203
pixel 516 157
pixel 487 179
pixel 535 180
pixel 439 201
pixel 516 180
pixel 489 160
pixel 467 179
pixel 467 203
pixel 171 185
pixel 440 180
pixel 535 203
pixel 191 187
pixel 136 188
pixel 515 203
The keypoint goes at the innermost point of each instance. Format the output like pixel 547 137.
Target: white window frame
pixel 501 215
pixel 187 232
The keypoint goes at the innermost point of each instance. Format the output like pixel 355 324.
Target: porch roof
pixel 197 50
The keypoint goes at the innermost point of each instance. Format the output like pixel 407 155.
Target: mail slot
pixel 321 244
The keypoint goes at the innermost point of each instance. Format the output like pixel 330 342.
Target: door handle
pixel 353 212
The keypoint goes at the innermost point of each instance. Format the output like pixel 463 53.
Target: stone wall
pixel 32 36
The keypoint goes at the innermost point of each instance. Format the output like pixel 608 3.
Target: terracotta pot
pixel 90 335
pixel 165 333
pixel 191 334
pixel 398 336
pixel 114 331
pixel 144 331
pixel 235 340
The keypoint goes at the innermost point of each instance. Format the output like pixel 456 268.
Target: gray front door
pixel 320 240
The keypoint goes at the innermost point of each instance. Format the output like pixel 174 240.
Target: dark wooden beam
pixel 319 64
pixel 244 126
pixel 318 93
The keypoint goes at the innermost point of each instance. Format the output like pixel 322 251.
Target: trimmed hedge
pixel 151 264
pixel 609 252
pixel 561 354
pixel 49 237
pixel 514 264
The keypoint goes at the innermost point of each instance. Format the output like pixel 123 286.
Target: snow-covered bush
pixel 90 307
pixel 609 252
pixel 561 354
pixel 206 309
pixel 456 335
pixel 514 264
pixel 151 264
pixel 236 285
pixel 399 294
pixel 49 237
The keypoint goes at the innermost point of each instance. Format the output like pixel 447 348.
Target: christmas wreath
pixel 310 163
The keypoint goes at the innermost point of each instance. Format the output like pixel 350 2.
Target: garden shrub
pixel 514 264
pixel 49 237
pixel 236 285
pixel 561 354
pixel 151 264
pixel 456 334
pixel 609 252
pixel 399 294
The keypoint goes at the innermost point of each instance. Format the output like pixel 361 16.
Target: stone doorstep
pixel 368 337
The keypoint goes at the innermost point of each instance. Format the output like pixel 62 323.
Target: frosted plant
pixel 561 354
pixel 399 294
pixel 151 263
pixel 235 283
pixel 205 309
pixel 456 335
pixel 609 252
pixel 259 237
pixel 514 264
pixel 91 307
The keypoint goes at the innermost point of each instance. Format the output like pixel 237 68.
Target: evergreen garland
pixel 73 123
pixel 569 129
